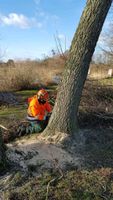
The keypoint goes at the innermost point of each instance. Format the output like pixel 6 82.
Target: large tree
pixel 64 116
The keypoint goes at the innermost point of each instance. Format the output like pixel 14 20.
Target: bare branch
pixel 59 46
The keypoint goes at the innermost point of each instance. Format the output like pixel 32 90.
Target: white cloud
pixel 19 20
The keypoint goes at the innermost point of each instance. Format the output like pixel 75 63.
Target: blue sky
pixel 27 27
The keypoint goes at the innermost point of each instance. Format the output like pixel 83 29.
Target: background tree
pixel 106 40
pixel 64 116
pixel 107 45
pixel 60 51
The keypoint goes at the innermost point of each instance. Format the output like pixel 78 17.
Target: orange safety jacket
pixel 38 110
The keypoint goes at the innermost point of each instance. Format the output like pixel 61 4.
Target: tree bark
pixel 64 116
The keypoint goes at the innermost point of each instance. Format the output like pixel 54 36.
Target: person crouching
pixel 39 108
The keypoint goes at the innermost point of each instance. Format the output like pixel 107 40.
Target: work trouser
pixel 39 125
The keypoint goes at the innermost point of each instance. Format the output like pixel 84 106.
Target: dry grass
pixel 100 71
pixel 33 74
pixel 28 74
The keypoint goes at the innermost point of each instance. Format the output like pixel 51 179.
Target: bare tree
pixel 64 116
pixel 107 47
pixel 106 44
pixel 61 52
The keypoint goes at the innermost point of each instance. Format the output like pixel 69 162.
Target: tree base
pixel 60 138
pixel 54 137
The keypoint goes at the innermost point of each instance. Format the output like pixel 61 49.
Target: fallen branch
pixel 3 127
pixel 48 185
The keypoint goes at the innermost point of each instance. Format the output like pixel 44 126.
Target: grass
pixel 8 111
pixel 11 113
pixel 74 185
pixel 106 81
pixel 8 115
pixel 25 94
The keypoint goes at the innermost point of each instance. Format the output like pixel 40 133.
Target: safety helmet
pixel 43 94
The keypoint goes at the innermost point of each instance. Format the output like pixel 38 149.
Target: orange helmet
pixel 43 94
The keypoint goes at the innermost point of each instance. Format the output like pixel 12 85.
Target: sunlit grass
pixel 106 81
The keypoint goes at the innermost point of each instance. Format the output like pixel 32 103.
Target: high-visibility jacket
pixel 38 110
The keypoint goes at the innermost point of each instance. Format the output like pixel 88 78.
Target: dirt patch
pixel 33 153
pixel 90 149
pixel 7 98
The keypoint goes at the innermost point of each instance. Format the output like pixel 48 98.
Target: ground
pixel 42 169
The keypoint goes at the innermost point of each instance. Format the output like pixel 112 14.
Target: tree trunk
pixel 64 116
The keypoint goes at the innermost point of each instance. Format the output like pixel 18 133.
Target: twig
pixel 3 127
pixel 103 197
pixel 48 185
pixel 59 46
